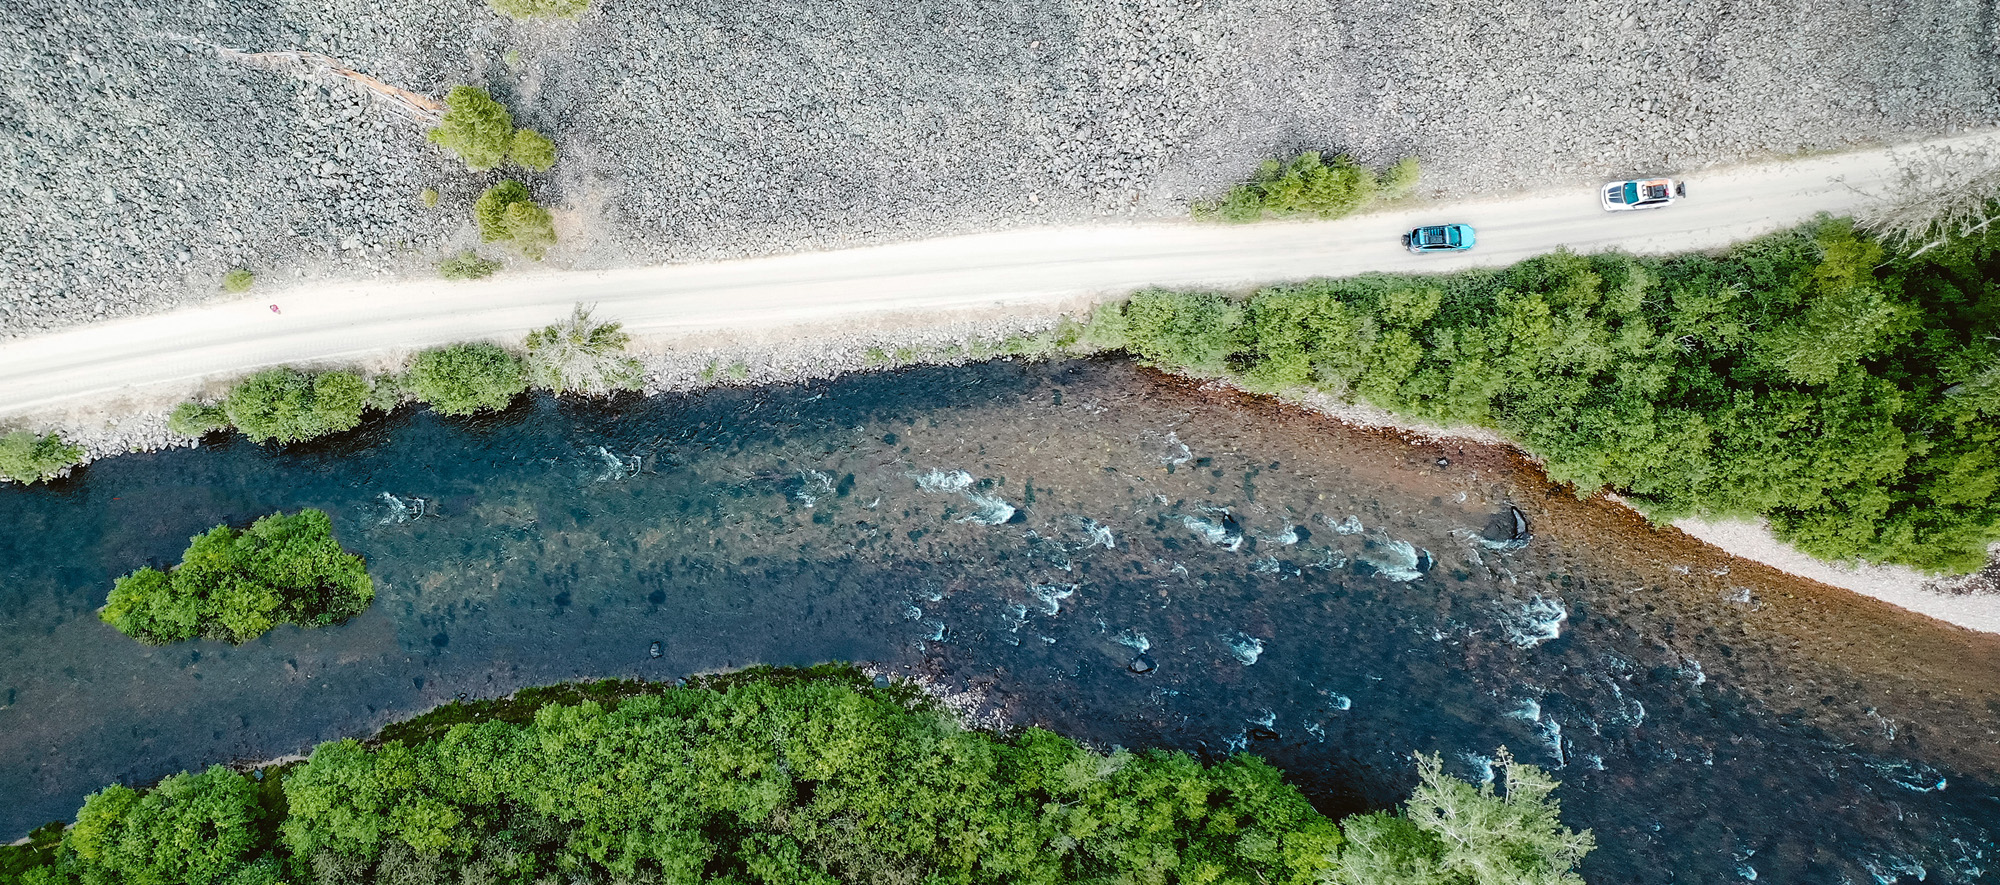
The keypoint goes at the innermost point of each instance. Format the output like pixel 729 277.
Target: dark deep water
pixel 1321 596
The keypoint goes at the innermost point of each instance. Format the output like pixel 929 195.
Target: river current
pixel 1034 533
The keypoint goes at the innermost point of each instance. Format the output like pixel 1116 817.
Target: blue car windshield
pixel 1631 192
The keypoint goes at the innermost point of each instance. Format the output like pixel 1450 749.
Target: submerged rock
pixel 657 649
pixel 1142 664
pixel 1505 530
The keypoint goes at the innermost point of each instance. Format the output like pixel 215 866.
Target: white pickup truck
pixel 1652 193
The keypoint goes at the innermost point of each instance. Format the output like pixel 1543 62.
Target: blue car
pixel 1440 238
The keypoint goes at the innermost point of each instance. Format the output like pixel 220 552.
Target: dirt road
pixel 349 322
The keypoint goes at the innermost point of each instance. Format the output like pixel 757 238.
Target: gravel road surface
pixel 354 322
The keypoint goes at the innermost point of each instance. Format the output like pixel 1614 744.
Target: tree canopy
pixel 29 458
pixel 506 213
pixel 286 405
pixel 234 585
pixel 1811 377
pixel 761 778
pixel 467 378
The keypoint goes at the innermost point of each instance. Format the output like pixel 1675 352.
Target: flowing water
pixel 1035 533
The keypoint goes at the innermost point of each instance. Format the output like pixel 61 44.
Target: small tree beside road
pixel 582 355
pixel 507 214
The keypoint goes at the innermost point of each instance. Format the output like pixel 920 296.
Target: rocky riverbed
pixel 139 164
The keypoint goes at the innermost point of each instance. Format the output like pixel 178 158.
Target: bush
pixel 233 585
pixel 428 197
pixel 1308 186
pixel 388 391
pixel 29 458
pixel 475 127
pixel 582 355
pixel 467 265
pixel 540 8
pixel 198 419
pixel 532 150
pixel 286 405
pixel 238 281
pixel 507 214
pixel 467 378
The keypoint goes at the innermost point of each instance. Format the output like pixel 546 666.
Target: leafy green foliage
pixel 238 280
pixel 233 585
pixel 582 355
pixel 475 127
pixel 29 458
pixel 1455 833
pixel 540 8
pixel 467 265
pixel 507 214
pixel 532 150
pixel 1309 186
pixel 428 198
pixel 467 378
pixel 1192 332
pixel 774 777
pixel 1809 377
pixel 198 419
pixel 286 405
pixel 480 130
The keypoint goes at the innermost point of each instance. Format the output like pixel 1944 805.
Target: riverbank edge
pixel 135 421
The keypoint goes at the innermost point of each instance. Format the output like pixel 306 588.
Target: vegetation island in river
pixel 234 585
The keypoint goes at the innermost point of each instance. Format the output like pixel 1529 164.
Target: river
pixel 1330 598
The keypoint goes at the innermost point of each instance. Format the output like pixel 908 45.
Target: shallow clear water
pixel 1330 599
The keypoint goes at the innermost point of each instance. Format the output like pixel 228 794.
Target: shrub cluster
pixel 786 779
pixel 1309 186
pixel 238 280
pixel 508 214
pixel 481 132
pixel 467 378
pixel 28 458
pixel 1809 377
pixel 233 585
pixel 467 265
pixel 582 355
pixel 286 405
pixel 540 8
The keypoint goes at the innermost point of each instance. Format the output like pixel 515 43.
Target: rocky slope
pixel 136 165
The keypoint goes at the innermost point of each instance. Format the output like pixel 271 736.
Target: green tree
pixel 467 378
pixel 238 280
pixel 1455 833
pixel 507 214
pixel 475 127
pixel 540 8
pixel 234 586
pixel 286 405
pixel 197 829
pixel 532 150
pixel 582 355
pixel 29 458
pixel 1193 332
